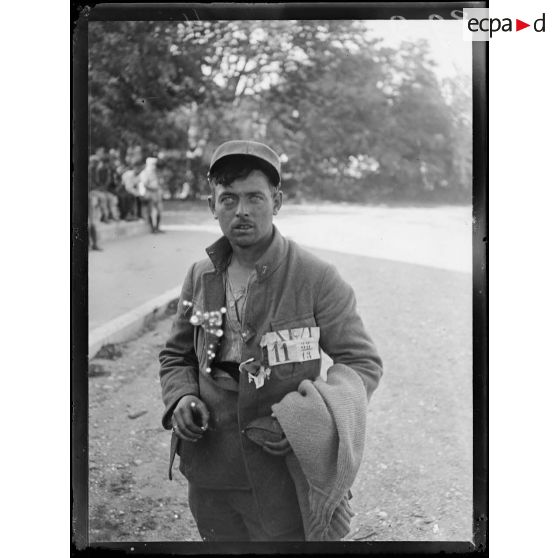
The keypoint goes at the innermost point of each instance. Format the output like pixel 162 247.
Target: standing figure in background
pixel 136 162
pixel 149 180
pixel 94 205
pixel 91 226
pixel 97 198
pixel 103 183
pixel 130 180
pixel 126 201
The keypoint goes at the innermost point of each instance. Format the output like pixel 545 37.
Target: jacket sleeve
pixel 179 363
pixel 342 333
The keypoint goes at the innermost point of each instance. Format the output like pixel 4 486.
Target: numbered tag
pixel 291 345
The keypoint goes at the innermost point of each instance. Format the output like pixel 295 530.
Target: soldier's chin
pixel 241 235
pixel 243 240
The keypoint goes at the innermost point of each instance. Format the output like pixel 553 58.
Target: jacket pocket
pixel 302 320
pixel 283 371
pixel 215 461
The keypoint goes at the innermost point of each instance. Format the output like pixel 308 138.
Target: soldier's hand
pixel 279 449
pixel 190 418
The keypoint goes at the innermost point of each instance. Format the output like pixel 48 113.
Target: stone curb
pixel 129 325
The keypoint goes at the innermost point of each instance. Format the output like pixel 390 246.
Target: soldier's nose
pixel 242 209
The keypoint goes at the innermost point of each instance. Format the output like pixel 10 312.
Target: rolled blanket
pixel 325 423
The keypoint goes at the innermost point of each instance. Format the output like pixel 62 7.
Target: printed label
pixel 291 345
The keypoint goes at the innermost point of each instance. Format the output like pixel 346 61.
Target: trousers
pixel 232 515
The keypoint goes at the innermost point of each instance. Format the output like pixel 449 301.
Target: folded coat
pixel 325 423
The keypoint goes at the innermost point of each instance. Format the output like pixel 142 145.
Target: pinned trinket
pixel 210 321
pixel 257 373
pixel 260 378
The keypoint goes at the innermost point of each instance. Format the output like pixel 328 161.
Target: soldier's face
pixel 245 209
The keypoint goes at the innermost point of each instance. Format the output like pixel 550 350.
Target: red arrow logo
pixel 519 25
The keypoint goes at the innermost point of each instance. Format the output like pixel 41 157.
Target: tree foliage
pixel 356 120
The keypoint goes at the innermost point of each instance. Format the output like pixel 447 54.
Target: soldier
pixel 149 183
pixel 252 319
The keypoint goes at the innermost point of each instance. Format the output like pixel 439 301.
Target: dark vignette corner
pixel 79 280
pixel 81 14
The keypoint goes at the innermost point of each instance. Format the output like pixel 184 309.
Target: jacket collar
pixel 220 252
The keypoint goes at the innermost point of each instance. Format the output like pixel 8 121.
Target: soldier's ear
pixel 277 201
pixel 211 204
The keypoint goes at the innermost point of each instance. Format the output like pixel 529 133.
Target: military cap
pixel 251 148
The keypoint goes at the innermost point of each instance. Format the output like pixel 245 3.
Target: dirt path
pixel 415 482
pixel 130 496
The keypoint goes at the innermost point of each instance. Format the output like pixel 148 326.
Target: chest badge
pixel 257 372
pixel 291 345
pixel 210 321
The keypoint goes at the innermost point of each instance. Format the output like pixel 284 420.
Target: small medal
pixel 260 378
pixel 257 373
pixel 210 321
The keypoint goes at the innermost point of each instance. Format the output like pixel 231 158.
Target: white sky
pixel 449 50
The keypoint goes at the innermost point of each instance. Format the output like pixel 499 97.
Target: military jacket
pixel 293 289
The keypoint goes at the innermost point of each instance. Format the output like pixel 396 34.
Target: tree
pixel 356 120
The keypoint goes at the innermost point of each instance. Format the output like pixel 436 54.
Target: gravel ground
pixel 415 482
